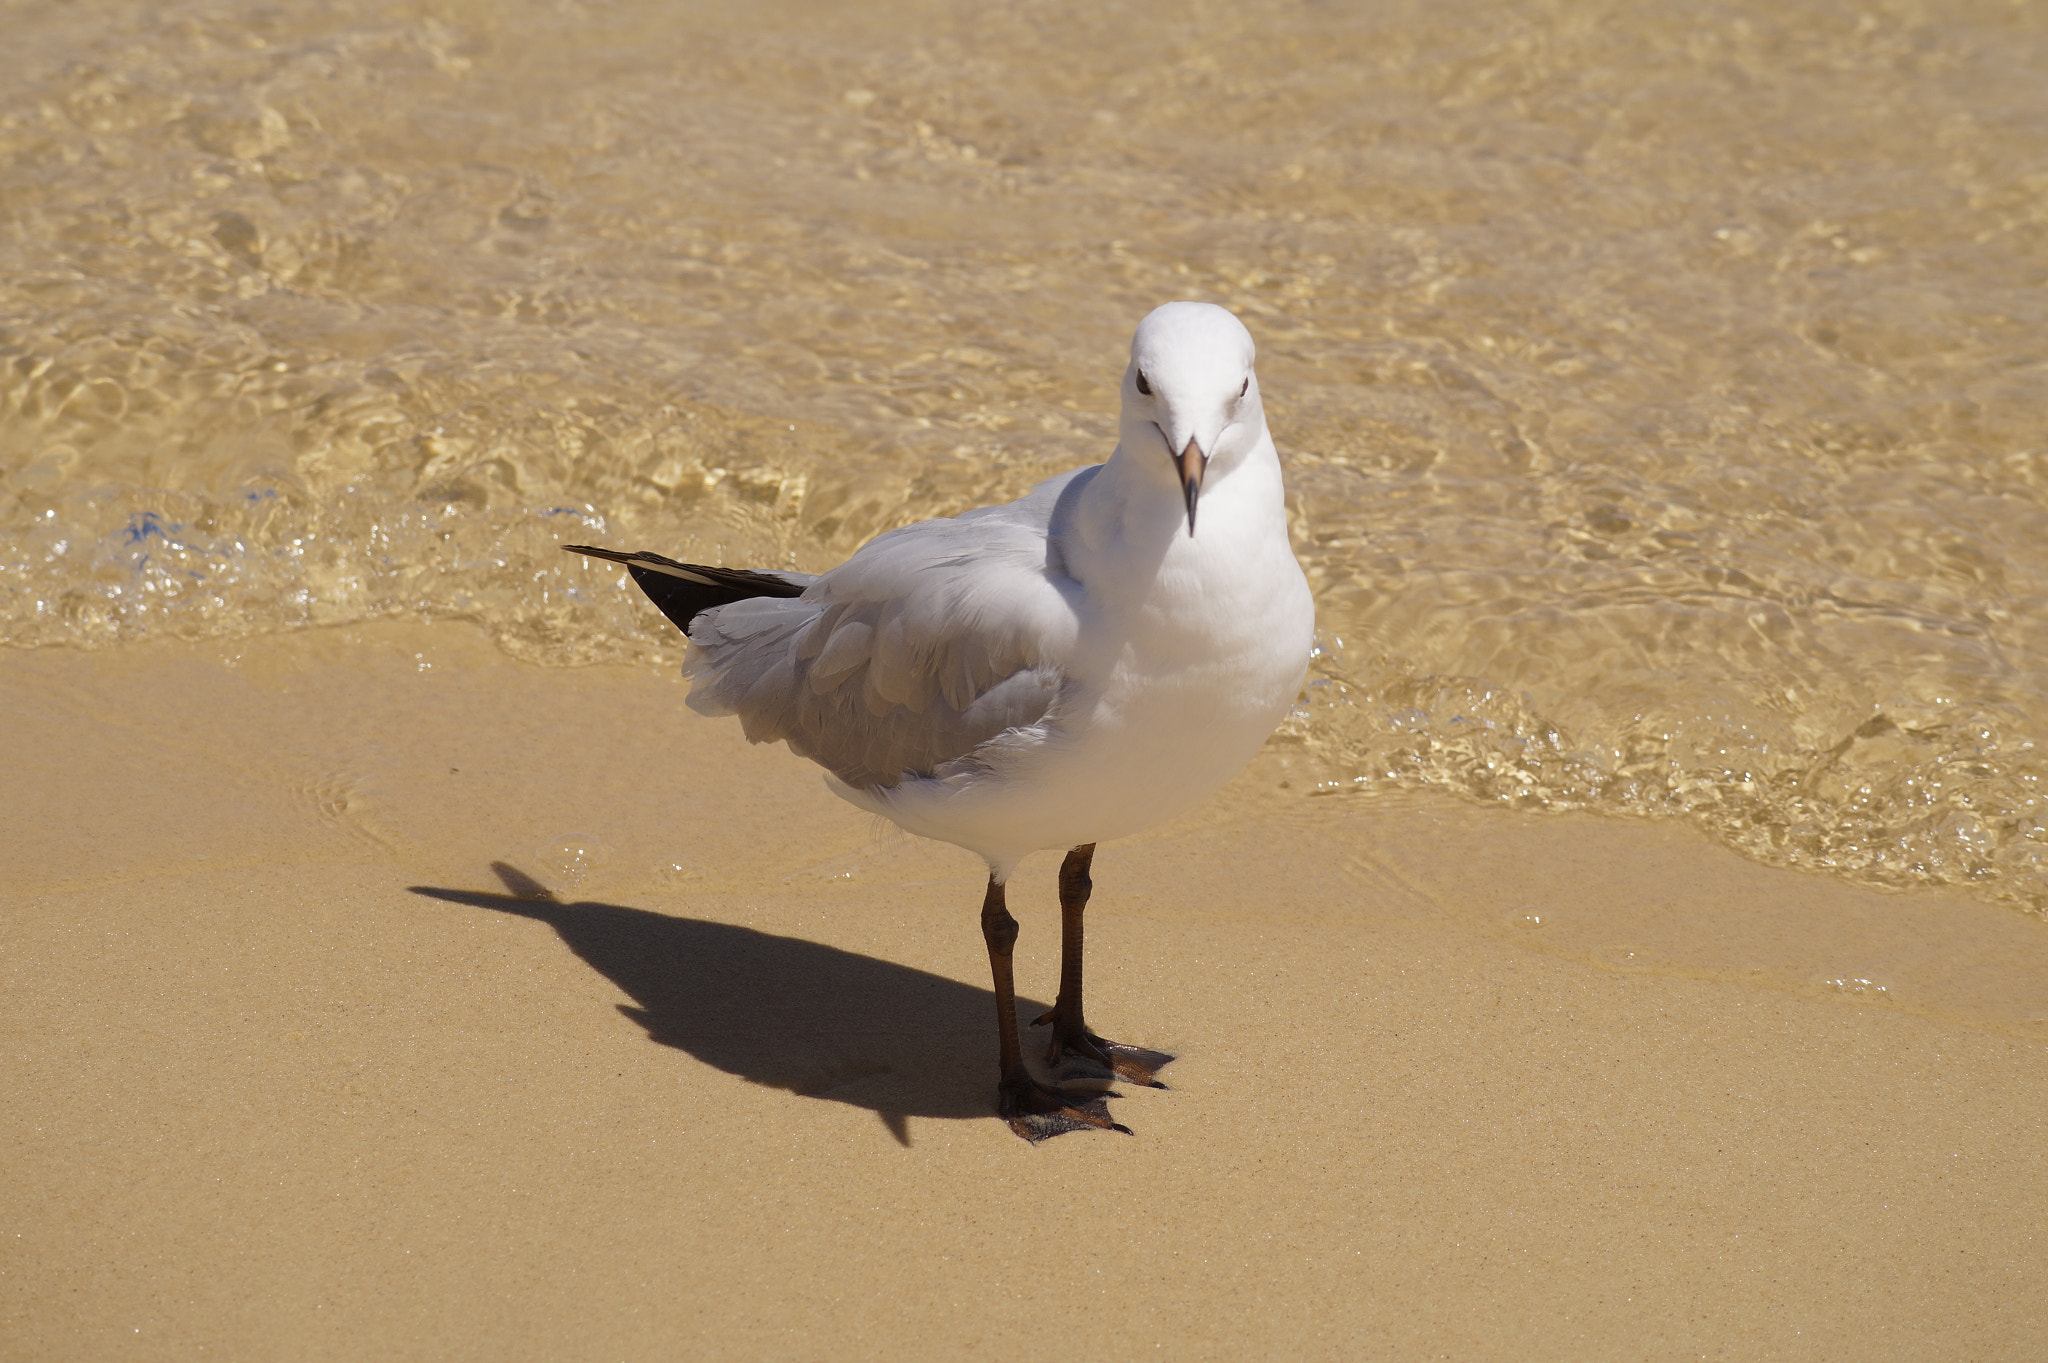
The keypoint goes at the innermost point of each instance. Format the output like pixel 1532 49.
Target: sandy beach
pixel 705 1069
pixel 1634 946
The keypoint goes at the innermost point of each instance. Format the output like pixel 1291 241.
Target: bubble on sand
pixel 1529 918
pixel 678 871
pixel 1856 986
pixel 573 859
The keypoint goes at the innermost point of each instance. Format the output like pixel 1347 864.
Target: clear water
pixel 1664 387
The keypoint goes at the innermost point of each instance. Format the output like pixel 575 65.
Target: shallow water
pixel 1662 386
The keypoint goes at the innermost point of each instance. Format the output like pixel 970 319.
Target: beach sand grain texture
pixel 290 1071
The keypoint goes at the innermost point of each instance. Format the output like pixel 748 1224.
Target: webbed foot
pixel 1038 1112
pixel 1132 1064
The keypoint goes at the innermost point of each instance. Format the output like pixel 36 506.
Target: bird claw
pixel 1038 1113
pixel 1132 1064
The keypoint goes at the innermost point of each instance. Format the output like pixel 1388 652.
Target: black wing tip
pixel 683 591
pixel 639 558
pixel 622 555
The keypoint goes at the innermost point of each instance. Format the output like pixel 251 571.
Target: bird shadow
pixel 780 1011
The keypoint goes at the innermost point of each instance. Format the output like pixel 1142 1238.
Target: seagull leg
pixel 1033 1110
pixel 1070 1034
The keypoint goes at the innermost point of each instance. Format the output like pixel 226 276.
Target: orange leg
pixel 1070 1034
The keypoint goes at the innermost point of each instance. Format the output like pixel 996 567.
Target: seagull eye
pixel 1246 389
pixel 1144 387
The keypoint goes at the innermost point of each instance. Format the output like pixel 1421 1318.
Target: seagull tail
pixel 683 591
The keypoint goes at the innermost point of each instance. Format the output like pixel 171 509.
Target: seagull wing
pixel 683 591
pixel 924 645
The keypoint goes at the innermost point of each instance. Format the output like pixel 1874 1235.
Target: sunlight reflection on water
pixel 1661 388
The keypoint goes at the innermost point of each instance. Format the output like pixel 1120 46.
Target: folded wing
pixel 927 643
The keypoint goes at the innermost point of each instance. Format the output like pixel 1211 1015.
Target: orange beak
pixel 1191 464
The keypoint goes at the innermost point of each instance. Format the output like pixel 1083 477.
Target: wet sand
pixel 291 1071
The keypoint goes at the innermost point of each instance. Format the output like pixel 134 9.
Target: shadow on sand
pixel 781 1011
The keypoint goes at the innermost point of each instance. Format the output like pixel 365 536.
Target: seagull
pixel 1046 675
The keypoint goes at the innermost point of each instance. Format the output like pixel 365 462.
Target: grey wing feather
pixel 927 643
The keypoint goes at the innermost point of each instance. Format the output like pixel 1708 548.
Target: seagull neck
pixel 1131 515
pixel 1128 510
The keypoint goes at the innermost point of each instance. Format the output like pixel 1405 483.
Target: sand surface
pixel 291 1072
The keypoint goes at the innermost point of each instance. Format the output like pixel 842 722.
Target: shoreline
pixel 293 1071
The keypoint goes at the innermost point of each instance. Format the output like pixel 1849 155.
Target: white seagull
pixel 1069 668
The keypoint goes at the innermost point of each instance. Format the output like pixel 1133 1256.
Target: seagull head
pixel 1190 394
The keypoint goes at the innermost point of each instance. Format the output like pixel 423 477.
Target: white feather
pixel 1063 669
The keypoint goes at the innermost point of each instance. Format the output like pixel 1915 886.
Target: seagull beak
pixel 1191 464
